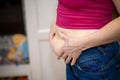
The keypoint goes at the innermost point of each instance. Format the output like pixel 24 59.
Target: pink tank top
pixel 84 14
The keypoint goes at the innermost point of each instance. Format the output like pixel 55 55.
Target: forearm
pixel 109 33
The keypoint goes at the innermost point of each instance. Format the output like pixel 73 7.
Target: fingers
pixel 73 61
pixel 63 53
pixel 75 57
pixel 64 56
pixel 71 58
pixel 68 59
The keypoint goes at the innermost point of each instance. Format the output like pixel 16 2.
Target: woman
pixel 85 36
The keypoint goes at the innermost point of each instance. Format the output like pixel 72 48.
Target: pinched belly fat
pixel 57 44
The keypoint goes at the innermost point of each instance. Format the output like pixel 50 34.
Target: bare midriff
pixel 58 42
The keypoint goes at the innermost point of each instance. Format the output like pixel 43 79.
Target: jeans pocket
pixel 96 59
pixel 90 65
pixel 108 51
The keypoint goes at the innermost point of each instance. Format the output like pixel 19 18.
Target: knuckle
pixel 75 57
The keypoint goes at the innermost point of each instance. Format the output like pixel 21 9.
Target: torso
pixel 58 41
pixel 76 19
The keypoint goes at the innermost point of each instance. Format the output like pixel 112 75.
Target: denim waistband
pixel 110 48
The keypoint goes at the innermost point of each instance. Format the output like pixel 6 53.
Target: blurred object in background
pixel 15 78
pixel 14 49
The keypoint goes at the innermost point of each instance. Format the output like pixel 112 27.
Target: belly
pixel 58 41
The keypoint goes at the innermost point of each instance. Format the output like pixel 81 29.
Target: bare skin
pixel 72 42
pixel 57 41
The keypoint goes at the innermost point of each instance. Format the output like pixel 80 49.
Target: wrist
pixel 88 42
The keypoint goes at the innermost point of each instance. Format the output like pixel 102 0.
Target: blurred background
pixel 25 53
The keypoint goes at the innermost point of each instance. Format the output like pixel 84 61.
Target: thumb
pixel 60 53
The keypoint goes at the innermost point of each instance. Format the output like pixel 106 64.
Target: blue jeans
pixel 98 63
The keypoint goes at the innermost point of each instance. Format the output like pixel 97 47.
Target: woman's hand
pixel 71 49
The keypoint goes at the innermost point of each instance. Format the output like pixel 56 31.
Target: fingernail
pixel 72 64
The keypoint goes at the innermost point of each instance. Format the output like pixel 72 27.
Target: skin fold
pixel 69 44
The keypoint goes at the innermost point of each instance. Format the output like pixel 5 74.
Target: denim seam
pixel 102 68
pixel 74 72
pixel 95 61
pixel 87 58
pixel 101 50
pixel 112 60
